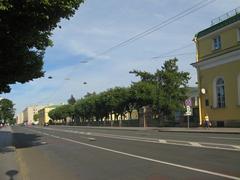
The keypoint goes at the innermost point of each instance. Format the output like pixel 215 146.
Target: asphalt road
pixel 58 152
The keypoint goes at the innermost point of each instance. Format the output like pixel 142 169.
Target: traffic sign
pixel 188 102
pixel 188 111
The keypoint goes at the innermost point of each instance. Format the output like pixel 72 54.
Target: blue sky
pixel 99 25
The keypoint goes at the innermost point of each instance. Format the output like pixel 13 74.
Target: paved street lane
pixel 200 137
pixel 84 156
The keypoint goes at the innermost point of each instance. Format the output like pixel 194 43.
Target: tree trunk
pixel 138 114
pixel 130 115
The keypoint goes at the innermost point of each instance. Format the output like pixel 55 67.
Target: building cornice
pixel 218 60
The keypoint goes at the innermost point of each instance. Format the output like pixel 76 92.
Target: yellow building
pixel 218 67
pixel 43 114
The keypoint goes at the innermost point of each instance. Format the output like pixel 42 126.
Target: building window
pixel 238 34
pixel 206 102
pixel 216 42
pixel 220 92
pixel 238 83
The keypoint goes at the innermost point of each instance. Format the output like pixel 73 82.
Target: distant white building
pixel 29 112
pixel 19 119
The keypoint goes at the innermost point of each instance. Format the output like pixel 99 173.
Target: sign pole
pixel 188 105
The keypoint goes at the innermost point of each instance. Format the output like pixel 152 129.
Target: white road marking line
pixel 195 144
pixel 153 160
pixel 42 143
pixel 206 147
pixel 228 147
pixel 162 141
pixel 237 147
pixel 54 136
pixel 227 138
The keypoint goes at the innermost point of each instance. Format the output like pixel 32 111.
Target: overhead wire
pixel 168 21
pixel 150 30
pixel 174 50
pixel 172 55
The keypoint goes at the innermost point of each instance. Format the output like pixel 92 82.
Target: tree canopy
pixel 36 117
pixel 7 111
pixel 71 100
pixel 61 112
pixel 25 30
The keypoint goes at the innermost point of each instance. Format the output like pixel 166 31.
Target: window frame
pixel 238 34
pixel 216 88
pixel 216 42
pixel 220 92
pixel 238 88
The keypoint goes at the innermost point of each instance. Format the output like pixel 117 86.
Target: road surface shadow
pixel 6 142
pixel 6 149
pixel 24 140
pixel 11 174
pixel 11 140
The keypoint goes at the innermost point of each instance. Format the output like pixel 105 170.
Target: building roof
pixel 48 107
pixel 52 106
pixel 219 25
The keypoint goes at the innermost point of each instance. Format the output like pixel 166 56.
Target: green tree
pixel 7 111
pixel 53 114
pixel 164 90
pixel 102 108
pixel 143 91
pixel 36 117
pixel 142 94
pixel 82 110
pixel 115 101
pixel 71 100
pixel 61 113
pixel 25 30
pixel 92 107
pixel 174 87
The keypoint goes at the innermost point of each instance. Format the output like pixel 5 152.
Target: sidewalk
pixel 202 130
pixel 8 166
pixel 171 129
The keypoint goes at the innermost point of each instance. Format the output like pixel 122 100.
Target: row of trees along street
pixel 164 91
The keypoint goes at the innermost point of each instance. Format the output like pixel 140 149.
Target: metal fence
pixel 225 16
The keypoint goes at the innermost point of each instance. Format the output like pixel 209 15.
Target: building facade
pixel 218 68
pixel 19 119
pixel 29 112
pixel 43 114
